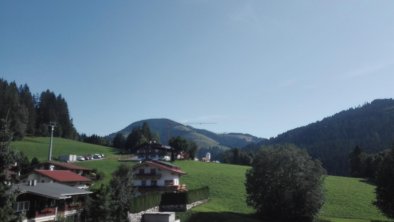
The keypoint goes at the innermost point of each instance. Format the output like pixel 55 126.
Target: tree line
pixel 143 134
pixel 30 114
pixel 378 168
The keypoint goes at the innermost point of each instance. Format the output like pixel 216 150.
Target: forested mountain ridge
pixel 166 128
pixel 370 126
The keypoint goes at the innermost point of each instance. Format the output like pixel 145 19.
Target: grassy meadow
pixel 346 199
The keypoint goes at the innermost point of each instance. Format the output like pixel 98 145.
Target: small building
pixel 154 151
pixel 60 176
pixel 49 201
pixel 68 158
pixel 152 175
pixel 54 165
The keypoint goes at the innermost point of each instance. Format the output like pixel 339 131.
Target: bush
pixel 285 184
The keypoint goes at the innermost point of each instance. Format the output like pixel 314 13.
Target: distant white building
pixel 207 157
pixel 154 175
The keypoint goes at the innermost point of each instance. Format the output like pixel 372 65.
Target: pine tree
pixel 121 193
pixel 385 185
pixel 98 205
pixel 7 198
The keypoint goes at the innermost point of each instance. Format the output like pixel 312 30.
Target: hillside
pixel 166 129
pixel 370 126
pixel 347 199
pixel 38 147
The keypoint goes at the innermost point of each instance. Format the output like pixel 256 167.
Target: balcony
pixel 145 176
pixel 73 206
pixel 46 212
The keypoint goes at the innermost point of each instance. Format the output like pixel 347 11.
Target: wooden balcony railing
pixel 45 212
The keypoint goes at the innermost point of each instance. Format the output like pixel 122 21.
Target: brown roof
pixel 161 165
pixel 62 175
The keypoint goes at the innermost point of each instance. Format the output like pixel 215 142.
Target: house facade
pixel 41 202
pixel 154 175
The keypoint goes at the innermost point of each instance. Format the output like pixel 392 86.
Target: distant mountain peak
pixel 167 128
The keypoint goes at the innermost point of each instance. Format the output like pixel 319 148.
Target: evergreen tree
pixel 119 141
pixel 121 193
pixel 356 159
pixel 192 147
pixel 98 205
pixel 385 185
pixel 7 157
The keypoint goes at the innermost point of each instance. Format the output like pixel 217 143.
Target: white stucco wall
pixel 165 175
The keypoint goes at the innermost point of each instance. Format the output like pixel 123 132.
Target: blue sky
pixel 258 67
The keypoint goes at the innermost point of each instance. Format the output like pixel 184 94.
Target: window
pixel 153 171
pixel 143 183
pixel 22 206
pixel 153 183
pixel 141 171
pixel 168 182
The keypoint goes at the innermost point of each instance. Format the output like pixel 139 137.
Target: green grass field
pixel 346 199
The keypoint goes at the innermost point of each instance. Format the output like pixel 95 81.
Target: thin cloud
pixel 370 69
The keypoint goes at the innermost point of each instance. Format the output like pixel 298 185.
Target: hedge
pixel 144 202
pixel 150 200
pixel 197 194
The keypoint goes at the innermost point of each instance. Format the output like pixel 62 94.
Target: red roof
pixel 62 175
pixel 67 165
pixel 163 166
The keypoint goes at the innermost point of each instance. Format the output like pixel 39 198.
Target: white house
pixel 152 175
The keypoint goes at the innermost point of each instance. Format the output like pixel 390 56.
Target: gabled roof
pixel 62 175
pixel 162 165
pixel 66 165
pixel 50 190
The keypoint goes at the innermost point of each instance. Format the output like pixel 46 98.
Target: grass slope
pixel 351 199
pixel 347 199
pixel 38 147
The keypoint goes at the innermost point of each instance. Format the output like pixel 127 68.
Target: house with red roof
pixel 153 175
pixel 54 165
pixel 60 176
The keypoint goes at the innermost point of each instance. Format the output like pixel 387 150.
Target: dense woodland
pixel 29 114
pixel 370 126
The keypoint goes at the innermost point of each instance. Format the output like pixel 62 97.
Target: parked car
pixel 96 156
pixel 80 158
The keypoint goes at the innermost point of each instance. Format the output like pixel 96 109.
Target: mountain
pixel 370 126
pixel 167 128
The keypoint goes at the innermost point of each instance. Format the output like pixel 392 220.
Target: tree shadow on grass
pixel 218 217
pixel 226 217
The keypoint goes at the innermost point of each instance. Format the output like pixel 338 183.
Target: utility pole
pixel 52 125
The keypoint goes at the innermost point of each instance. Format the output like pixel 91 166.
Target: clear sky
pixel 258 67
